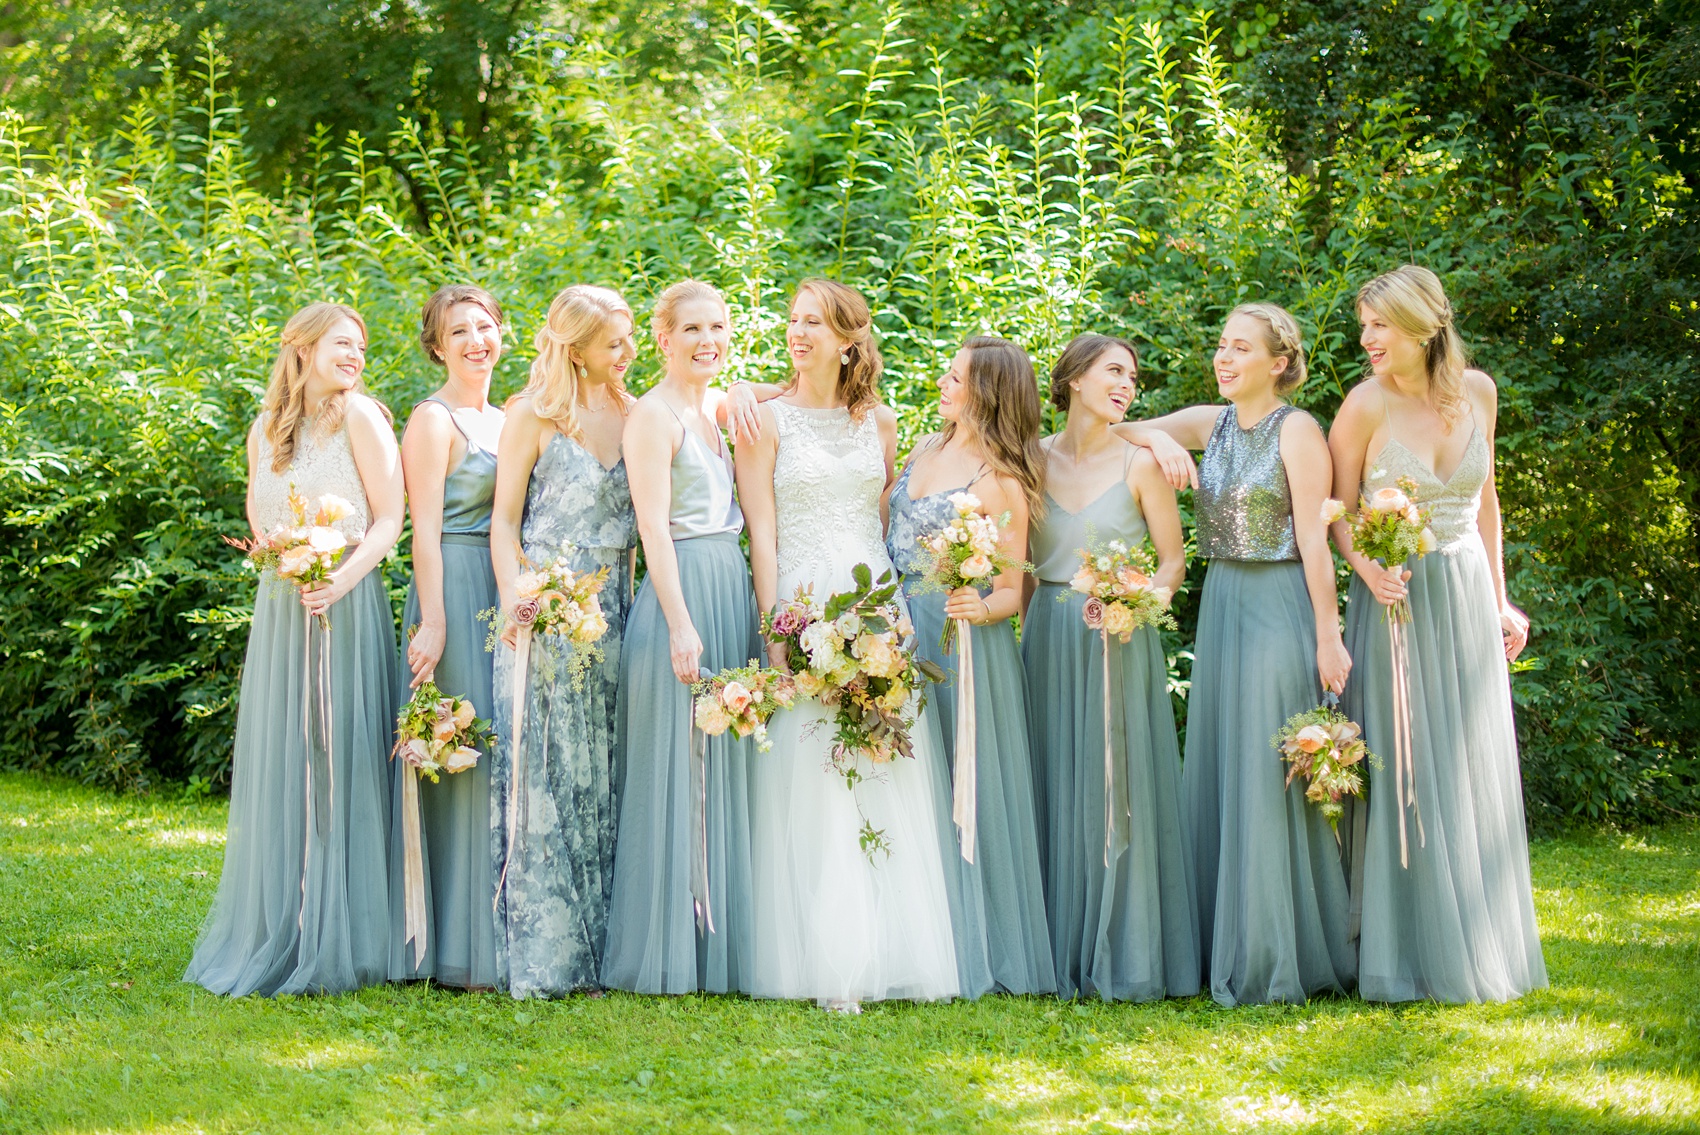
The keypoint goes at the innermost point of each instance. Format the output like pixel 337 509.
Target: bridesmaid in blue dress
pixel 448 454
pixel 681 918
pixel 561 493
pixel 1123 919
pixel 1457 924
pixel 1274 910
pixel 989 447
pixel 303 903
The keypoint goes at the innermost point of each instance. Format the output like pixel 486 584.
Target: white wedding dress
pixel 831 924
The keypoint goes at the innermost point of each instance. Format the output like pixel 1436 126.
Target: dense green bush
pixel 1110 174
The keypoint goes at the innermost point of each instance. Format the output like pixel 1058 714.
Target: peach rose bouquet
pixel 437 733
pixel 1121 595
pixel 556 600
pixel 307 551
pixel 1325 747
pixel 742 699
pixel 1389 526
pixel 967 552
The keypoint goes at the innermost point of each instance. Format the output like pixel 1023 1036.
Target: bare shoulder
pixel 886 417
pixel 1364 404
pixel 365 411
pixel 1302 428
pixel 1481 387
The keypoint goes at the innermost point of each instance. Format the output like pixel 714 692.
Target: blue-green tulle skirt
pixel 1458 924
pixel 455 812
pixel 303 902
pixel 1003 943
pixel 653 944
pixel 1126 931
pixel 1274 910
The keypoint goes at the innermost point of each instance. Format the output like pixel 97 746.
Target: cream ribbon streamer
pixel 699 826
pixel 315 679
pixel 964 808
pixel 1404 758
pixel 413 864
pixel 516 771
pixel 1118 822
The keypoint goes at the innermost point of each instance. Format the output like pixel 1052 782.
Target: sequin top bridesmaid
pixel 448 454
pixel 989 448
pixel 1119 888
pixel 561 494
pixel 1274 911
pixel 303 900
pixel 1448 912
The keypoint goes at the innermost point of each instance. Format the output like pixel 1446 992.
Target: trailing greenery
pixel 1094 166
pixel 98 1032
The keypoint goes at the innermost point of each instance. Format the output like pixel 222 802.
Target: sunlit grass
pixel 100 898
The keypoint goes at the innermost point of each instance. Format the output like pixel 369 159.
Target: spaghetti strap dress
pixel 303 902
pixel 655 941
pixel 1003 944
pixel 1273 902
pixel 1457 924
pixel 1126 929
pixel 460 943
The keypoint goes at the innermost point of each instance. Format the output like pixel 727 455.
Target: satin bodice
pixel 1453 504
pixel 573 503
pixel 1243 507
pixel 322 464
pixel 469 493
pixel 1056 541
pixel 703 502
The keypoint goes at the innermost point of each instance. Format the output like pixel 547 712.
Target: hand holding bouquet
pixel 1121 595
pixel 560 601
pixel 853 654
pixel 967 552
pixel 305 552
pixel 436 733
pixel 742 699
pixel 1389 526
pixel 1326 748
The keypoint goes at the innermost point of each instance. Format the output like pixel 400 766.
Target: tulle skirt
pixel 303 902
pixel 1272 895
pixel 1126 931
pixel 460 945
pixel 653 942
pixel 1001 932
pixel 1459 923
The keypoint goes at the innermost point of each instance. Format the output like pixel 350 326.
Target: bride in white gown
pixel 831 923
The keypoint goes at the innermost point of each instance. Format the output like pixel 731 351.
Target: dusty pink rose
pixel 416 753
pixel 1093 612
pixel 526 611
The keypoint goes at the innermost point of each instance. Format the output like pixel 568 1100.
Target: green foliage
pixel 1035 170
pixel 99 1032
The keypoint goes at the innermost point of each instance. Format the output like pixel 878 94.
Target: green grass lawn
pixel 100 898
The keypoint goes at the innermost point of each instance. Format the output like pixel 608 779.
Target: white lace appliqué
pixel 827 480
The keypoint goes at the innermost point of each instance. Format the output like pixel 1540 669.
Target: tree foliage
pixel 1029 168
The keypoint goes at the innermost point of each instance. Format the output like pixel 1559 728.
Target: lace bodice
pixel 1453 505
pixel 321 465
pixel 827 480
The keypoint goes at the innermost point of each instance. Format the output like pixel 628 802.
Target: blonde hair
pixel 665 316
pixel 1003 415
pixel 436 310
pixel 285 404
pixel 1281 338
pixel 1412 299
pixel 577 316
pixel 848 317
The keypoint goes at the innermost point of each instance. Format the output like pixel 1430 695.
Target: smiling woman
pixel 303 900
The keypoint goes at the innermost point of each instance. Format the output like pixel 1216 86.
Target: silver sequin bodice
pixel 1244 509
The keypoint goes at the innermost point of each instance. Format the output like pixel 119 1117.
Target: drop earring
pixel 844 358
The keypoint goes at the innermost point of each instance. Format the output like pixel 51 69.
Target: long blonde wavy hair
pixel 1412 299
pixel 578 316
pixel 1283 339
pixel 285 405
pixel 1003 415
pixel 848 316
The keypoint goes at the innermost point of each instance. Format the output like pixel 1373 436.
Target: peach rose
pixel 297 561
pixel 1312 738
pixel 332 508
pixel 809 684
pixel 711 717
pixel 1118 620
pixel 1332 510
pixel 976 566
pixel 736 697
pixel 463 758
pixel 464 714
pixel 1389 500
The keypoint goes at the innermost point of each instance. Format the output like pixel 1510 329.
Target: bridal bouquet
pixel 1120 594
pixel 1389 526
pixel 305 552
pixel 742 699
pixel 852 653
pixel 436 733
pixel 967 552
pixel 1326 748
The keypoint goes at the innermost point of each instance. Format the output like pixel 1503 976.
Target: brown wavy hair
pixel 436 310
pixel 1002 415
pixel 1077 358
pixel 577 316
pixel 1412 299
pixel 285 404
pixel 848 316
